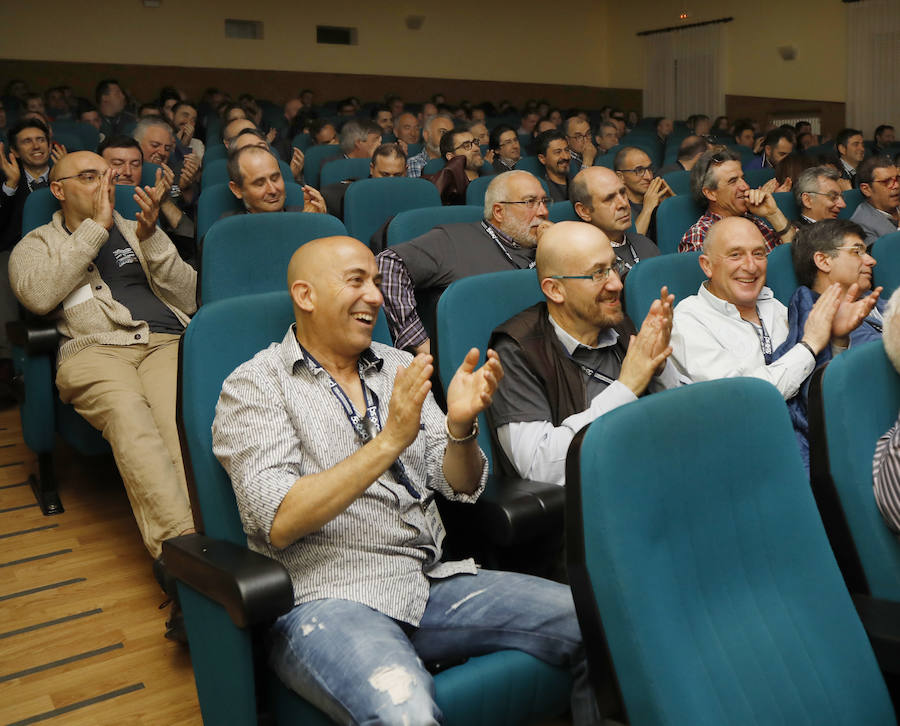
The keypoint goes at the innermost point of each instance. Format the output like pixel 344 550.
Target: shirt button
pixel 137 336
pixel 99 287
pixel 90 268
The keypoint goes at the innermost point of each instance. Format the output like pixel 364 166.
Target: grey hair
pixel 146 123
pixel 704 175
pixel 808 181
pixel 891 334
pixel 498 190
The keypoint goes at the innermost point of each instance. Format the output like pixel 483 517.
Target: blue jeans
pixel 360 666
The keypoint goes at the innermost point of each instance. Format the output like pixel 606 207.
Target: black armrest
pixel 37 337
pixel 881 619
pixel 515 510
pixel 251 587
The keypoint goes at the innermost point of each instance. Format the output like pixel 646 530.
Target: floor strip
pixel 81 704
pixel 36 557
pixel 47 624
pixel 51 586
pixel 28 531
pixel 60 662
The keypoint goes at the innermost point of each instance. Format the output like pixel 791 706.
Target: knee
pixel 401 698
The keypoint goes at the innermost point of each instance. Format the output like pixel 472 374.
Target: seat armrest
pixel 514 510
pixel 881 619
pixel 251 587
pixel 36 337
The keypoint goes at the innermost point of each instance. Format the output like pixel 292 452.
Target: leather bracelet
pixel 808 347
pixel 782 232
pixel 465 439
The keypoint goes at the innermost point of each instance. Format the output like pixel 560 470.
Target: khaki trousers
pixel 127 392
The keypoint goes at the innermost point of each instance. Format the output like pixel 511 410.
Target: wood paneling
pixel 764 109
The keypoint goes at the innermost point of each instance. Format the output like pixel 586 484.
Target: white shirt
pixel 538 449
pixel 710 340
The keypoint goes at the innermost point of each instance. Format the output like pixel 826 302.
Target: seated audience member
pixel 433 131
pixel 157 144
pixel 886 463
pixel 645 189
pixel 581 147
pixel 461 142
pixel 805 140
pixel 323 132
pixel 570 359
pixel 184 121
pixel 734 324
pixel 717 181
pixel 553 154
pixel 388 160
pixel 124 156
pixel 617 117
pixel 111 102
pixel 358 140
pixel 852 150
pixel 256 180
pixel 90 115
pixel 601 199
pixel 304 479
pixel 123 297
pixel 744 134
pixel 429 110
pixel 381 115
pixel 231 130
pixel 515 206
pixel 699 124
pixel 56 104
pixel 884 137
pixel 691 148
pixel 777 145
pixel 146 110
pixel 818 195
pixel 406 128
pixel 720 125
pixel 480 132
pixel 25 167
pixel 878 214
pixel 607 137
pixel 291 108
pixel 504 142
pixel 529 121
pixel 664 128
pixel 823 254
pixel 33 103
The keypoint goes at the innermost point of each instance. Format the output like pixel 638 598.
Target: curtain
pixel 685 72
pixel 873 64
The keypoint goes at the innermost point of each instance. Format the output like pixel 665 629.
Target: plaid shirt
pixel 415 164
pixel 693 238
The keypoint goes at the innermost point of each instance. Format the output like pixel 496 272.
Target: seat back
pixel 860 397
pixel 680 273
pixel 757 177
pixel 216 172
pixel 886 252
pixel 712 582
pixel 220 337
pixel 249 253
pixel 342 169
pixel 477 188
pixel 214 151
pixel 532 165
pixel 780 275
pixel 787 204
pixel 679 182
pixel 674 217
pixel 433 166
pixel 483 302
pixel 217 199
pixel 852 198
pixel 302 141
pixel 563 212
pixel 369 203
pixel 41 205
pixel 415 222
pixel 314 157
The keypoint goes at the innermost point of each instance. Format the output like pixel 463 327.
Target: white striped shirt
pixel 277 421
pixel 886 476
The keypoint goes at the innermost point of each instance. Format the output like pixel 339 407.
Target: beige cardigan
pixel 52 270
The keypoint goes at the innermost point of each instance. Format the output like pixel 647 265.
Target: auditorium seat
pixel 314 157
pixel 369 203
pixel 342 169
pixel 852 198
pixel 681 273
pixel 216 200
pixel 216 172
pixel 674 217
pixel 415 222
pixel 886 273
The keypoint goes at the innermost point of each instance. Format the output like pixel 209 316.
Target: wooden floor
pixel 81 634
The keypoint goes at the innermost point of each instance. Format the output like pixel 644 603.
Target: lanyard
pixel 373 416
pixel 595 372
pixel 493 235
pixel 765 341
pixel 628 265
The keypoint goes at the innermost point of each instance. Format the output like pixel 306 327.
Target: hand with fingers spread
pixel 403 145
pixel 769 186
pixel 188 171
pixel 471 391
pixel 648 350
pixel 851 313
pixel 168 175
pixel 313 201
pixel 297 164
pixel 9 165
pixel 186 133
pixel 148 199
pixel 103 200
pixel 785 186
pixel 271 134
pixel 489 156
pixel 57 152
pixel 411 386
pixel 817 330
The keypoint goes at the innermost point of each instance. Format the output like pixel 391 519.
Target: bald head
pixel 567 247
pixel 729 228
pixel 233 128
pixel 77 161
pixel 312 259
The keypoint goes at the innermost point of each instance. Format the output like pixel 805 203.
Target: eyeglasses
pixel 858 250
pixel 832 196
pixel 889 182
pixel 601 275
pixel 641 170
pixel 533 202
pixel 578 137
pixel 88 176
pixel 467 145
pixel 509 141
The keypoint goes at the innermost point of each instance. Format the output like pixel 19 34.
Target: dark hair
pixel 388 150
pixel 378 109
pixel 234 162
pixel 151 104
pixel 881 129
pixel 825 236
pixel 166 93
pixel 496 133
pixel 866 170
pixel 103 88
pixel 26 123
pixel 119 142
pixel 801 123
pixel 774 137
pixel 545 138
pixel 792 166
pixel 698 146
pixel 742 126
pixel 703 174
pixel 184 103
pixel 844 135
pixel 448 140
pixel 619 160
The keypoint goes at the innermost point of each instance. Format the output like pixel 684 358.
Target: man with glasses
pixel 461 142
pixel 122 296
pixel 515 210
pixel 504 142
pixel 717 181
pixel 570 359
pixel 879 214
pixel 817 192
pixel 581 148
pixel 645 190
pixel 553 154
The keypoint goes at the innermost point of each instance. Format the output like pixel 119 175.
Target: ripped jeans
pixel 360 666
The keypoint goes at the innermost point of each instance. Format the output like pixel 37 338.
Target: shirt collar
pixel 292 355
pixel 849 169
pixel 606 338
pixel 503 237
pixel 32 179
pixel 811 221
pixel 725 307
